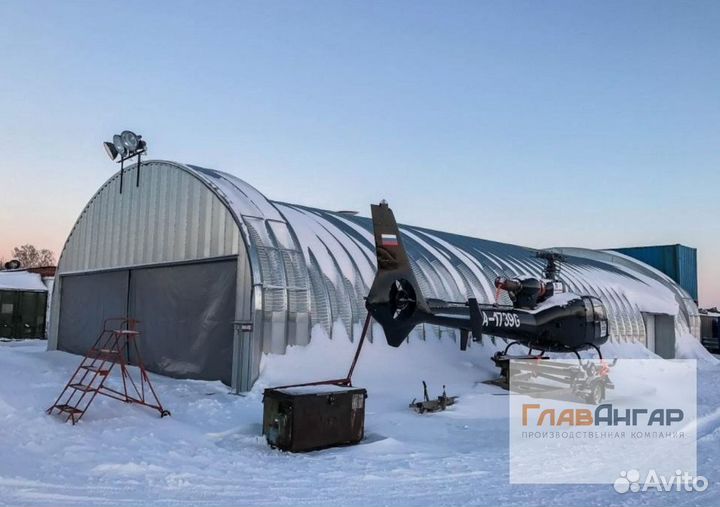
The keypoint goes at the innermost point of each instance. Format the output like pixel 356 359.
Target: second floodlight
pixel 119 146
pixel 130 140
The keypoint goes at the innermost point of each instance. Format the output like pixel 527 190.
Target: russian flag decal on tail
pixel 388 240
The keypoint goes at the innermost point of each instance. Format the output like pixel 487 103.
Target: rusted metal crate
pixel 307 418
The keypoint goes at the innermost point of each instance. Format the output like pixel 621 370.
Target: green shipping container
pixel 22 314
pixel 679 262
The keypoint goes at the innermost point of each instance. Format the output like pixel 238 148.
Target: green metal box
pixel 307 418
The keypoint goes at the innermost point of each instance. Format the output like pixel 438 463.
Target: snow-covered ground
pixel 210 452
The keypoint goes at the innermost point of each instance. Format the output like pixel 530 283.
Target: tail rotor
pixel 393 301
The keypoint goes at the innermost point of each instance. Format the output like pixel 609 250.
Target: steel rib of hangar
pixel 195 253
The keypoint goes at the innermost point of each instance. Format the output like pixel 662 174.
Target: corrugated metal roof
pixel 311 268
pixel 339 256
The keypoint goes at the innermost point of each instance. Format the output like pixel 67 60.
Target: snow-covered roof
pixel 329 259
pixel 310 269
pixel 21 281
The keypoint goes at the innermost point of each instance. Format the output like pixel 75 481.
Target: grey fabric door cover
pixel 186 313
pixel 86 301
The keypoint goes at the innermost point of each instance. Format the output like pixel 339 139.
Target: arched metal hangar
pixel 219 274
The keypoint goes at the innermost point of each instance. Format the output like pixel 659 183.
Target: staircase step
pixel 104 354
pixel 82 387
pixel 100 371
pixel 68 408
pixel 105 351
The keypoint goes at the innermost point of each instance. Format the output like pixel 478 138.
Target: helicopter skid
pixel 538 375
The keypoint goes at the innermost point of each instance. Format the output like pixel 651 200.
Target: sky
pixel 558 123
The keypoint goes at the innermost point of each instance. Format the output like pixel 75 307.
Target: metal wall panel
pixel 679 262
pixel 687 270
pixel 170 217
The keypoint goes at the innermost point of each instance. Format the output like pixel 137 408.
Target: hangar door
pixel 186 315
pixel 87 300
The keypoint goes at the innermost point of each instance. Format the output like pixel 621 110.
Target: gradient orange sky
pixel 575 124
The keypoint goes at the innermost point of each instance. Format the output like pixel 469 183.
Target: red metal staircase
pixel 112 347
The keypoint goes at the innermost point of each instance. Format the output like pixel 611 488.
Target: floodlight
pixel 119 146
pixel 110 150
pixel 125 146
pixel 130 140
pixel 13 264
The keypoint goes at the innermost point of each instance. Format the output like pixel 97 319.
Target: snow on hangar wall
pixel 302 272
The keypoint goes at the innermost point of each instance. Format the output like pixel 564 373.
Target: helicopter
pixel 543 316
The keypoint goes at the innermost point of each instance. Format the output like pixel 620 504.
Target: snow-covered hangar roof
pixel 304 272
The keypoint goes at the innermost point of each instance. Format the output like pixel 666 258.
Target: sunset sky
pixel 563 123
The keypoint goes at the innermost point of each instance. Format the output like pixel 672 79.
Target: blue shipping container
pixel 679 262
